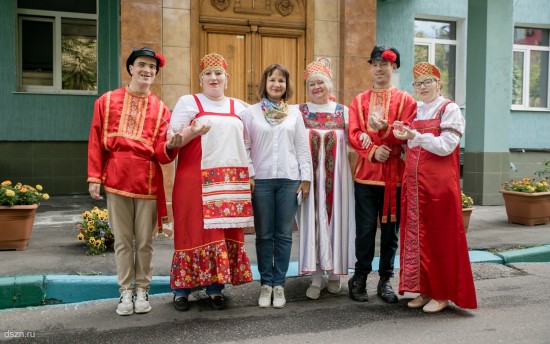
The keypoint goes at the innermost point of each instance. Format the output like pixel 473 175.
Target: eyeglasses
pixel 426 83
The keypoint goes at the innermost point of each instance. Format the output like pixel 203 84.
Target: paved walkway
pixel 55 259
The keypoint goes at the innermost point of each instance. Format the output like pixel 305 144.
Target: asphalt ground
pixel 56 267
pixel 513 308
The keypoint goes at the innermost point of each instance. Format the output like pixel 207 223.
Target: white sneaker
pixel 334 286
pixel 265 296
pixel 142 301
pixel 279 300
pixel 313 292
pixel 126 303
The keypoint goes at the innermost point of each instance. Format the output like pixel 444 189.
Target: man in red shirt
pixel 378 172
pixel 126 146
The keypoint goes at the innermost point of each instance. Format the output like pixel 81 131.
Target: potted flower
pixel 467 203
pixel 95 230
pixel 18 203
pixel 527 201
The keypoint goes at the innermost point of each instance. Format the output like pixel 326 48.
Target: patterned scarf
pixel 274 113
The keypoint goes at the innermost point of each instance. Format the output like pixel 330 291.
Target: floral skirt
pixel 202 256
pixel 216 262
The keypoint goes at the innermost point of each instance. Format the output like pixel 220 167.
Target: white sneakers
pixel 334 286
pixel 278 293
pixel 265 296
pixel 126 303
pixel 141 305
pixel 279 300
pixel 314 291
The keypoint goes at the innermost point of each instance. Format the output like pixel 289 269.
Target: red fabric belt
pixel 390 189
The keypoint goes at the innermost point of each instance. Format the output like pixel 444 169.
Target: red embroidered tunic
pixel 126 144
pixel 434 251
pixel 398 105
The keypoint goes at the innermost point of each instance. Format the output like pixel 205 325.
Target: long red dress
pixel 205 256
pixel 434 251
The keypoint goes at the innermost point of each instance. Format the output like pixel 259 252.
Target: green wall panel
pixel 53 117
pixel 60 167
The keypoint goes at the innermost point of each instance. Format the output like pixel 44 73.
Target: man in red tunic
pixel 378 172
pixel 126 146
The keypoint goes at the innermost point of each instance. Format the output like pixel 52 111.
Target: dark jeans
pixel 369 205
pixel 275 206
pixel 211 289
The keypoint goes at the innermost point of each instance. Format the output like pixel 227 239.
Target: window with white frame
pixel 57 46
pixel 436 42
pixel 530 68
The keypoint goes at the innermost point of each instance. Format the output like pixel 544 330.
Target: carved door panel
pixel 249 53
pixel 251 35
pixel 233 47
pixel 285 47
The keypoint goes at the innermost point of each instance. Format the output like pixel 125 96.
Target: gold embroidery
pixel 361 115
pixel 106 120
pixel 380 98
pixel 400 110
pixel 453 131
pixel 128 194
pixel 132 119
pixel 150 186
pixel 159 118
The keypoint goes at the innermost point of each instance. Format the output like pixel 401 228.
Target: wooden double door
pixel 250 44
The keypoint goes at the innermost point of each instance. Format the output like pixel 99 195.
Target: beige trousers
pixel 132 221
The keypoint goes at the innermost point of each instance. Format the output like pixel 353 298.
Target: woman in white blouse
pixel 433 248
pixel 281 171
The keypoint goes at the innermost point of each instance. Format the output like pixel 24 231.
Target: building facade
pixel 64 54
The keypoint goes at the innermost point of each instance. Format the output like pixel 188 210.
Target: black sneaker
pixel 218 302
pixel 357 286
pixel 181 303
pixel 385 291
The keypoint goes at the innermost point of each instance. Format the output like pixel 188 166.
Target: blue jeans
pixel 275 206
pixel 369 205
pixel 212 289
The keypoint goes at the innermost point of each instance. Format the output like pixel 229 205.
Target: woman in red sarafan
pixel 211 198
pixel 434 251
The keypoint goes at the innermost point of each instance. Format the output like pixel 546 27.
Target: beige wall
pixel 357 38
pixel 176 45
pixel 326 36
pixel 164 26
pixel 345 33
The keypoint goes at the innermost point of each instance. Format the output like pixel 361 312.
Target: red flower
pixel 389 55
pixel 162 60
